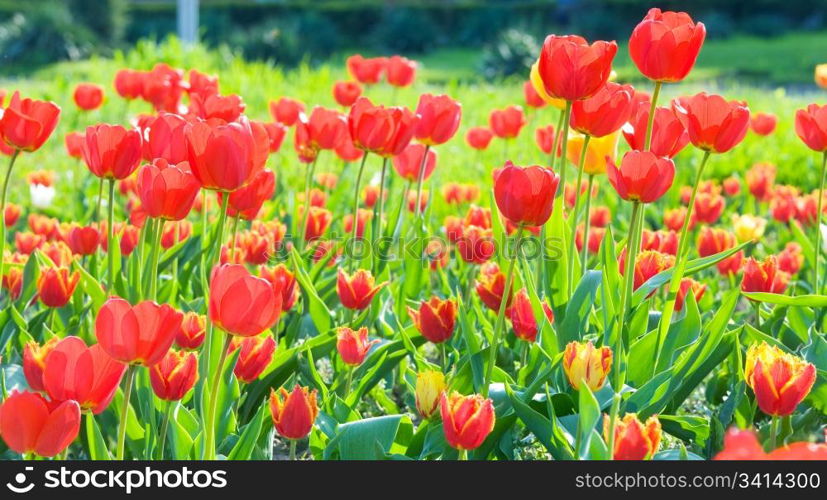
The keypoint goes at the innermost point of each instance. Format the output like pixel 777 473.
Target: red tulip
pixel 30 424
pixel 811 126
pixel 25 124
pixel 791 258
pixel 761 180
pixel 174 232
pixel 327 128
pixel 111 151
pixel 764 276
pixel 665 45
pixel 713 124
pixel 642 176
pixel 174 376
pixel 282 279
pixel 318 220
pixel 708 207
pixel 55 286
pixel 139 335
pixel 163 87
pixel 129 83
pixel 74 144
pixel 466 420
pixel 193 331
pixel 478 216
pixel 476 245
pixel 596 235
pixel 479 137
pixel 356 291
pixel 669 135
pixel 763 123
pixel 226 157
pixel 532 98
pixel 439 118
pixel 367 71
pixel 408 162
pixel 545 136
pixel 732 186
pixel 490 286
pixel 633 439
pixel 201 83
pixel 400 71
pixel 27 242
pixel 523 321
pixel 571 69
pixel 744 445
pixel 293 412
pixel 286 111
pixel 34 362
pixel 276 133
pixel 83 240
pixel 246 202
pixel 216 107
pixel 604 112
pixel 363 216
pixel 506 123
pixel 165 137
pixel 689 285
pixel 377 129
pixel 167 191
pixel 87 375
pixel 348 152
pixel 346 93
pixel 435 319
pixel 779 380
pixel 255 355
pixel 353 346
pixel 242 304
pixel 88 96
pixel 526 195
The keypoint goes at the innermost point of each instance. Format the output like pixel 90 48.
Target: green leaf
pixel 319 313
pixel 787 300
pixel 589 411
pixel 246 444
pixel 95 441
pixel 578 309
pixel 371 438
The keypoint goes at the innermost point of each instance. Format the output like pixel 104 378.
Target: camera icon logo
pixel 19 485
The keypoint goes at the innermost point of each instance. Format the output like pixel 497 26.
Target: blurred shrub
pixel 106 18
pixel 512 53
pixel 409 31
pixel 718 24
pixel 43 34
pixel 288 42
pixel 478 25
pixel 767 25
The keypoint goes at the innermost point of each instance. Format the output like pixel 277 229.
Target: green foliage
pixel 512 53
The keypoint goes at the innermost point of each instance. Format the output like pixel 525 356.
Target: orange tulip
pixel 353 346
pixel 435 319
pixel 764 276
pixel 34 362
pixel 633 439
pixel 55 285
pixel 779 380
pixel 490 286
pixel 193 331
pixel 293 412
pixel 255 355
pixel 356 291
pixel 584 363
pixel 466 420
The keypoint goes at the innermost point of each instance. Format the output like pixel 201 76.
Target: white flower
pixel 41 195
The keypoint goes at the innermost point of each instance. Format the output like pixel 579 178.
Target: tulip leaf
pixel 371 438
pixel 319 313
pixel 818 301
pixel 689 428
pixel 246 443
pixel 94 440
pixel 578 309
pixel 589 414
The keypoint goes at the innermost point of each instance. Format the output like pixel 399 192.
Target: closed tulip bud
pixel 139 335
pixel 286 110
pixel 709 207
pixel 13 281
pixel 526 195
pixel 88 96
pixel 791 258
pixel 439 118
pixel 34 362
pixel 346 93
pixel 282 279
pixel 111 151
pixel 31 424
pixel 665 45
pixel 193 331
pixel 811 126
pixel 366 70
pixel 11 214
pixel 764 276
pixel 408 163
pixel 293 412
pixel 466 420
pixel 713 123
pixel 544 137
pixel 216 107
pixel 763 123
pixel 255 355
pixel 633 439
pixel 779 380
pixel 83 240
pixel 689 285
pixel 174 376
pixel 353 345
pixel 55 286
pixel 129 83
pixel 87 375
pixel 479 137
pixel 748 227
pixel 603 113
pixel 167 191
pixel 506 123
pixel 476 245
pixel 521 314
pixel 246 202
pixel 318 220
pixel 669 135
pixel 435 319
pixel 386 131
pixel 400 71
pixel 571 69
pixel 430 385
pixel 490 286
pixel 242 304
pixel 356 291
pixel 585 363
pixel 26 123
pixel 642 176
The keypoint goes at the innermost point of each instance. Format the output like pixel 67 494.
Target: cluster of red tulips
pixel 202 298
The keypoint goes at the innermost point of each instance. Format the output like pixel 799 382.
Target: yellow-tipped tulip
pixel 748 227
pixel 583 362
pixel 430 385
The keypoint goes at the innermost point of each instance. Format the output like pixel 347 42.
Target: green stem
pixel 100 200
pixel 164 429
pixel 557 137
pixel 356 195
pixel 155 256
pixel 420 179
pixel 110 230
pixel 209 432
pixel 204 242
pixel 292 450
pixel 613 420
pixel 575 214
pixel 348 381
pixel 3 196
pixel 584 252
pixel 215 252
pixel 235 237
pixel 757 306
pixel 632 246
pixel 462 455
pixel 651 121
pixel 816 286
pixel 307 182
pixel 564 148
pixel 127 392
pixel 381 200
pixel 498 326
pixel 774 432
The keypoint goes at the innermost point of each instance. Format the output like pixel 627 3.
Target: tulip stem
pixel 292 450
pixel 680 264
pixel 462 455
pixel 235 237
pixel 650 124
pixel 613 420
pixel 420 180
pixel 155 256
pixel 632 245
pixel 205 246
pixel 381 201
pixel 215 252
pixel 209 432
pixel 353 232
pixel 774 432
pixel 757 315
pixel 498 326
pixel 110 231
pixel 3 195
pixel 348 381
pixel 584 252
pixel 164 429
pixel 564 131
pixel 816 281
pixel 127 392
pixel 100 200
pixel 308 179
pixel 574 216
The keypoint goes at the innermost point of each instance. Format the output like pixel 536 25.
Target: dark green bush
pixel 512 53
pixel 106 18
pixel 408 31
pixel 288 42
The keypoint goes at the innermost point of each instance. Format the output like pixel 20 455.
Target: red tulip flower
pixel 165 137
pixel 139 335
pixel 665 45
pixel 34 362
pixel 761 180
pixel 435 319
pixel 276 133
pixel 318 220
pixel 293 412
pixel 193 331
pixel 633 439
pixel 400 71
pixel 525 195
pixel 763 123
pixel 216 107
pixel 346 93
pixel 764 276
pixel 544 137
pixel 490 286
pixel 282 279
pixel 523 321
pixel 356 291
pixel 88 96
pixel 174 376
pixel 87 375
pixel 604 112
pixel 111 151
pixel 73 141
pixel 353 345
pixel 713 123
pixel 201 83
pixel 83 240
pixel 286 110
pixel 246 202
pixel 55 286
pixel 326 128
pixel 30 424
pixel 506 123
pixel 129 83
pixel 669 135
pixel 25 124
pixel 466 420
pixel 439 118
pixel 476 245
pixel 532 98
pixel 479 137
pixel 367 71
pixel 242 304
pixel 163 87
pixel 167 191
pixel 744 445
pixel 377 129
pixel 408 162
pixel 811 126
pixel 347 152
pixel 779 380
pixel 225 157
pixel 791 258
pixel 642 176
pixel 255 355
pixel 571 69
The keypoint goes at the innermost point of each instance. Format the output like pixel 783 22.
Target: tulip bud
pixel 779 380
pixel 293 412
pixel 466 420
pixel 353 346
pixel 634 440
pixel 193 331
pixel 430 385
pixel 255 355
pixel 174 375
pixel 356 291
pixel 583 363
pixel 55 286
pixel 435 319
